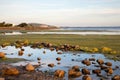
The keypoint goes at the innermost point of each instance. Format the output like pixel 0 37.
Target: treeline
pixel 3 24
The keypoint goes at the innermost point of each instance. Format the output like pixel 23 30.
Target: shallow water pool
pixel 68 59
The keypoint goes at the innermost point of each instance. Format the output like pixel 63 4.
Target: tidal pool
pixel 68 59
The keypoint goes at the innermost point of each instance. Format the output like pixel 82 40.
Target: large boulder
pixel 59 73
pixel 2 54
pixel 29 67
pixel 10 71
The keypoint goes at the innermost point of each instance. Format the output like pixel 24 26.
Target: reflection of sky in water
pixel 50 57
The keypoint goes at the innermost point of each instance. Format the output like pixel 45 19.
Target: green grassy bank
pixel 112 41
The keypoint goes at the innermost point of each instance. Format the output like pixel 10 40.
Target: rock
pixel 29 67
pixel 116 77
pixel 76 68
pixel 59 52
pixel 91 59
pixel 74 72
pixel 86 62
pixel 2 78
pixel 58 63
pixel 10 71
pixel 49 45
pixel 51 65
pixel 20 53
pixel 77 46
pixel 109 70
pixel 103 67
pixel 97 71
pixel 86 77
pixel 2 54
pixel 44 52
pixel 85 71
pixel 59 73
pixel 38 59
pixel 58 58
pixel 52 49
pixel 22 49
pixel 100 61
pixel 108 63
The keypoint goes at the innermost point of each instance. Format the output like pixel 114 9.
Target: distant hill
pixel 29 26
pixel 41 25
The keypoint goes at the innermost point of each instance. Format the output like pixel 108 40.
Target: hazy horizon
pixel 76 13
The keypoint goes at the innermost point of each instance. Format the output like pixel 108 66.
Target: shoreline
pixel 63 32
pixel 78 33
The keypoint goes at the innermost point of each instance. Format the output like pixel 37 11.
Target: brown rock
pixel 29 67
pixel 86 78
pixel 20 53
pixel 2 78
pixel 59 73
pixel 85 71
pixel 10 71
pixel 58 58
pixel 91 59
pixel 96 71
pixel 108 63
pixel 109 70
pixel 103 67
pixel 116 77
pixel 100 61
pixel 86 62
pixel 52 49
pixel 76 68
pixel 49 45
pixel 2 54
pixel 51 65
pixel 59 52
pixel 73 73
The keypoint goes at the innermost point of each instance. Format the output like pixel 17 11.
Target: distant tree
pixel 23 25
pixel 8 25
pixel 2 24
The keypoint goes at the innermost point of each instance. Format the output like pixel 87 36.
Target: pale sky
pixel 62 12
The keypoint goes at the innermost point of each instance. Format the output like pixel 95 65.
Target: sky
pixel 61 12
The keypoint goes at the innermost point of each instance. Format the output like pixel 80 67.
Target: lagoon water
pixel 92 28
pixel 68 59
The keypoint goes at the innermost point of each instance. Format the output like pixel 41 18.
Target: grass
pixel 11 60
pixel 112 41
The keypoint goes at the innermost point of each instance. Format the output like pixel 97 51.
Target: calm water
pixel 92 28
pixel 68 59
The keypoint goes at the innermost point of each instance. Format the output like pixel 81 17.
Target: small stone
pixel 51 65
pixel 58 58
